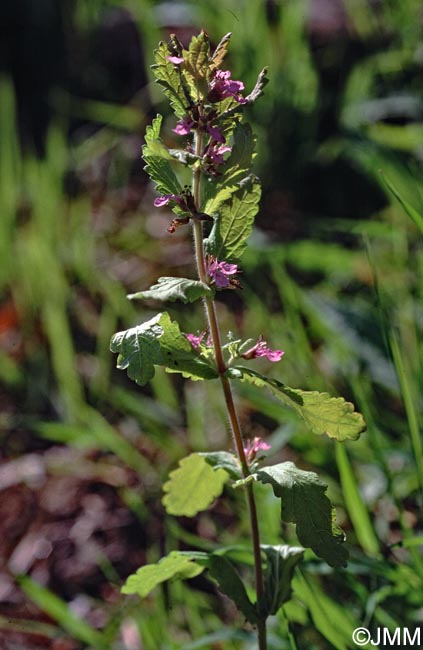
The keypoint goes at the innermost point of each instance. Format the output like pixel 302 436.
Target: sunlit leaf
pixel 193 486
pixel 168 76
pixel 234 223
pixel 174 289
pixel 158 341
pixel 157 159
pixel 305 504
pixel 323 414
pixel 173 566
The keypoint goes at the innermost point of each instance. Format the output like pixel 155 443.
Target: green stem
pixel 227 391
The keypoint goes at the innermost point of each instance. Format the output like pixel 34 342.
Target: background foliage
pixel 334 277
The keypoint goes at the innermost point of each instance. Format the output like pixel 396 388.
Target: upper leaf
pixel 237 167
pixel 234 224
pixel 159 341
pixel 193 486
pixel 305 504
pixel 197 66
pixel 322 413
pixel 139 350
pixel 149 576
pixel 168 76
pixel 220 51
pixel 157 159
pixel 174 289
pixel 224 460
pixel 281 562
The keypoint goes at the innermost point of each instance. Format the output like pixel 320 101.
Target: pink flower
pixel 220 272
pixel 260 349
pixel 222 86
pixel 175 59
pixel 215 153
pixel 164 200
pixel 253 447
pixel 184 126
pixel 216 133
pixel 195 340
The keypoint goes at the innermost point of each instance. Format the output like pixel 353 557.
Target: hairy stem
pixel 227 391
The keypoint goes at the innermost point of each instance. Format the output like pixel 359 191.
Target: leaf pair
pixel 280 565
pixel 200 479
pixel 158 342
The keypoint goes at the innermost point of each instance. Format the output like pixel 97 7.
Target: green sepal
pixel 280 566
pixel 234 223
pixel 169 77
pixel 192 487
pixel 305 504
pixel 223 460
pixel 173 566
pixel 174 289
pixel 323 414
pixel 158 341
pixel 157 159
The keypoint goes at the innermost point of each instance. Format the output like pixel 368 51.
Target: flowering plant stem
pixel 224 192
pixel 227 391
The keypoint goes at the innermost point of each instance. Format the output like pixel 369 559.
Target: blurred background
pixel 333 276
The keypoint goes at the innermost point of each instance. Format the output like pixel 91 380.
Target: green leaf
pixel 257 91
pixel 197 64
pixel 230 583
pixel 281 563
pixel 174 289
pixel 178 354
pixel 220 51
pixel 323 414
pixel 173 566
pixel 412 212
pixel 223 460
pixel 169 77
pixel 193 486
pixel 237 167
pixel 159 341
pixel 139 350
pixel 157 159
pixel 305 504
pixel 234 224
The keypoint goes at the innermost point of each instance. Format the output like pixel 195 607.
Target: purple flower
pixel 164 200
pixel 216 133
pixel 184 126
pixel 215 153
pixel 220 272
pixel 222 86
pixel 260 349
pixel 195 340
pixel 175 59
pixel 253 447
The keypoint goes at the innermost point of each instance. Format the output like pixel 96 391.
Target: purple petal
pixel 216 133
